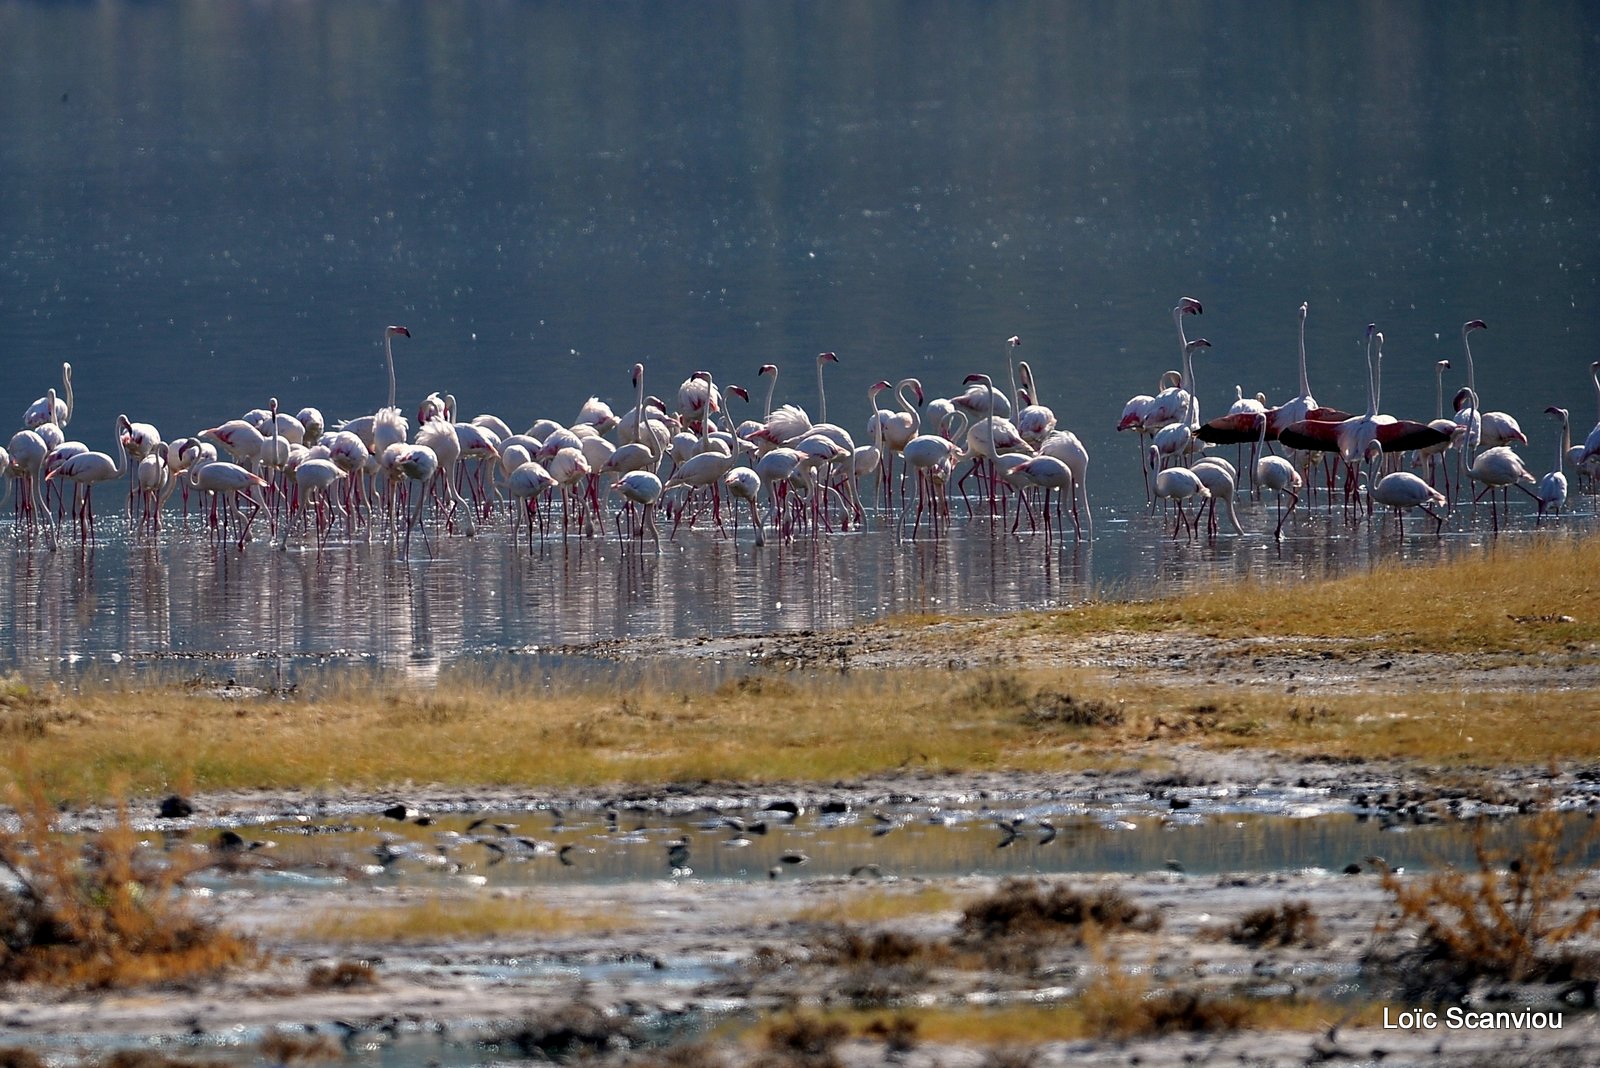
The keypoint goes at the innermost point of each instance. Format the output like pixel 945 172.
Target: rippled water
pixel 210 205
pixel 181 603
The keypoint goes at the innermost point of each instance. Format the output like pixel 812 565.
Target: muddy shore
pixel 692 954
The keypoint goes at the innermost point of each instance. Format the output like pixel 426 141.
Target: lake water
pixel 207 205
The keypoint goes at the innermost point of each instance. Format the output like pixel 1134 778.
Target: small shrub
pixel 1290 924
pixel 1026 907
pixel 280 1047
pixel 1512 919
pixel 1118 1003
pixel 899 1034
pixel 109 915
pixel 346 975
pixel 1065 710
pixel 801 1041
pixel 572 1032
pixel 996 689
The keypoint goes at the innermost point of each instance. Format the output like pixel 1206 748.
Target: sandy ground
pixel 693 952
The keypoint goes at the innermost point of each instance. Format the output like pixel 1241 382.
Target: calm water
pixel 206 205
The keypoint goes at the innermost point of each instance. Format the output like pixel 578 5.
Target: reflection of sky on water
pixel 126 601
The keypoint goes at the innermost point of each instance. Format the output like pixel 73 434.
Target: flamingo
pixel 1486 429
pixel 1349 437
pixel 219 477
pixel 527 483
pixel 892 431
pixel 1050 473
pixel 991 436
pixel 1219 476
pixel 1401 490
pixel 1499 467
pixel 26 453
pixel 643 488
pixel 419 463
pixel 745 484
pixel 1589 455
pixel 1064 445
pixel 1278 475
pixel 1177 484
pixel 1552 488
pixel 315 479
pixel 88 469
pixel 1136 415
pixel 50 408
pixel 927 454
pixel 1035 422
pixel 1433 453
pixel 1178 438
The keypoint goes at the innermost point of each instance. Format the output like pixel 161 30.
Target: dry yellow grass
pixel 453 918
pixel 362 732
pixel 881 906
pixel 1510 596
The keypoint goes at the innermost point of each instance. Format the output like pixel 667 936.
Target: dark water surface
pixel 205 205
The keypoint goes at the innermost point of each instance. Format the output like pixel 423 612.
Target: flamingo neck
pixel 1438 392
pixel 1011 369
pixel 822 396
pixel 122 451
pixel 1372 385
pixel 1183 347
pixel 1305 383
pixel 388 359
pixel 1472 382
pixel 766 416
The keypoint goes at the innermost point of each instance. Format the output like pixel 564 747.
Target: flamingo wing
pixel 1403 435
pixel 1311 435
pixel 1238 428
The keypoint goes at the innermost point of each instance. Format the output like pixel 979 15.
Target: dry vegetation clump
pixel 1055 709
pixel 345 975
pixel 572 1032
pixel 282 1047
pixel 108 914
pixel 1514 918
pixel 1289 924
pixel 801 1041
pixel 1036 908
pixel 882 967
pixel 1119 1003
pixel 20 1057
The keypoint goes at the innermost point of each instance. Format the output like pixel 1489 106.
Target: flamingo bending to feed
pixel 1278 475
pixel 643 488
pixel 1177 484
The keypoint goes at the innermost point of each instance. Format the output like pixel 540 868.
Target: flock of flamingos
pixel 790 475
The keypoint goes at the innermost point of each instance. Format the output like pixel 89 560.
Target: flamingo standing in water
pixel 1486 429
pixel 1278 475
pixel 88 469
pixel 1552 488
pixel 642 488
pixel 1401 490
pixel 1177 484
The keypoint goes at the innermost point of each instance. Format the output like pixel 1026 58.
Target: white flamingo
pixel 1278 475
pixel 89 469
pixel 1401 490
pixel 1552 488
pixel 50 408
pixel 1177 484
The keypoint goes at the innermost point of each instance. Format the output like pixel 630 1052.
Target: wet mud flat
pixel 840 897
pixel 684 916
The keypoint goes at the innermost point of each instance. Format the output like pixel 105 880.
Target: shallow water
pixel 126 606
pixel 1200 832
